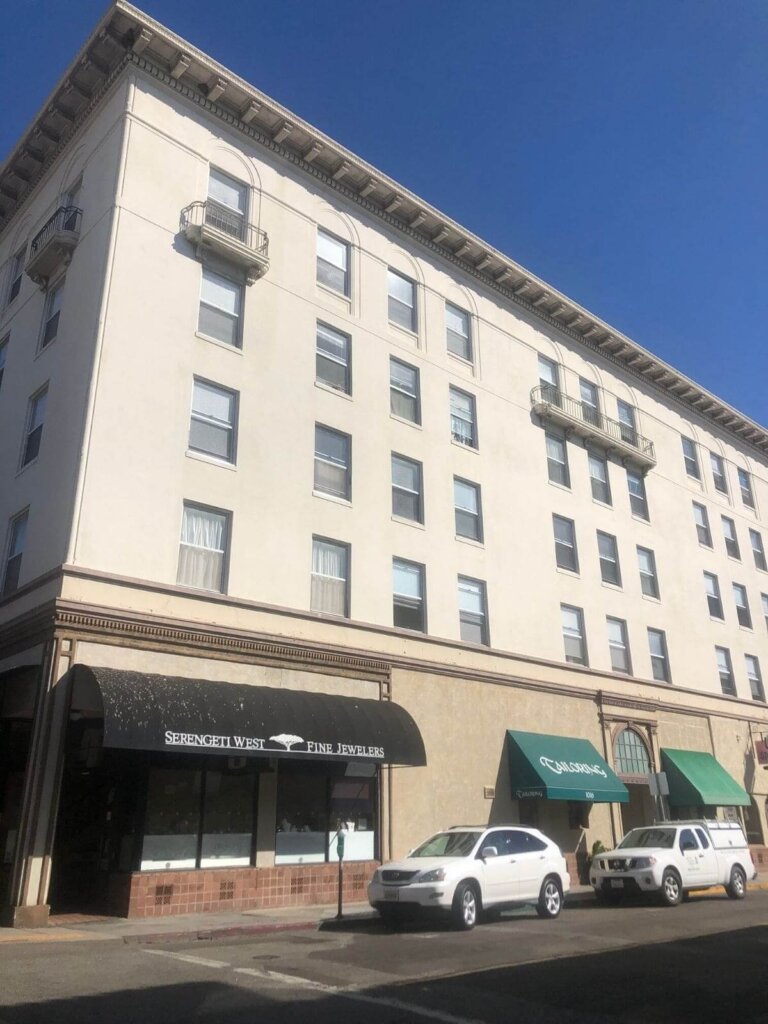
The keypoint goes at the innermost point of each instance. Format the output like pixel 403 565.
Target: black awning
pixel 153 712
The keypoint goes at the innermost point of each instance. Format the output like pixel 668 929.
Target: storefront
pixel 175 779
pixel 699 785
pixel 564 769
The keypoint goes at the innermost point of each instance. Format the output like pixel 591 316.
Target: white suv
pixel 466 870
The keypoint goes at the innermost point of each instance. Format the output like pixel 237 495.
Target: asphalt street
pixel 703 962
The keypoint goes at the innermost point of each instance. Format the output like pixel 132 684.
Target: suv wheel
pixel 671 888
pixel 465 907
pixel 737 887
pixel 550 898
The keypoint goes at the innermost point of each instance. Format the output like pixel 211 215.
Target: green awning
pixel 560 768
pixel 696 779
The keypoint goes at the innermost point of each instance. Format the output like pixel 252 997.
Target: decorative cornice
pixel 126 33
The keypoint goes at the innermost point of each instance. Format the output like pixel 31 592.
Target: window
pixel 330 577
pixel 557 460
pixel 712 589
pixel 573 635
pixel 332 263
pixel 745 485
pixel 220 302
pixel 408 595
pixel 566 556
pixel 648 578
pixel 725 670
pixel 227 204
pixel 406 489
pixel 657 644
pixel 17 536
pixel 71 199
pixel 401 302
pixel 764 602
pixel 332 462
pixel 637 498
pixel 757 549
pixel 404 398
pixel 718 473
pixel 473 620
pixel 590 405
pixel 332 358
pixel 213 420
pixel 742 605
pixel 16 274
pixel 754 677
pixel 598 478
pixel 3 354
pixel 627 422
pixel 691 458
pixel 618 645
pixel 549 379
pixel 701 519
pixel 203 548
pixel 467 509
pixel 609 558
pixel 731 540
pixel 51 315
pixel 458 332
pixel 199 817
pixel 35 419
pixel 463 427
pixel 630 754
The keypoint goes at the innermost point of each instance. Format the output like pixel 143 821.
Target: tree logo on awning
pixel 287 740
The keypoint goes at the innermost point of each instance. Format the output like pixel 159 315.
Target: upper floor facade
pixel 236 378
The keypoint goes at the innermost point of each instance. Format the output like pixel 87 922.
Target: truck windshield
pixel 663 838
pixel 447 844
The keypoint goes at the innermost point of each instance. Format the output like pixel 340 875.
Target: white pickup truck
pixel 671 858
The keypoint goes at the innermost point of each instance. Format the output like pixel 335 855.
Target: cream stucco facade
pixel 105 494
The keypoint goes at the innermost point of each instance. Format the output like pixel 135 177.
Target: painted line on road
pixel 187 958
pixel 411 1009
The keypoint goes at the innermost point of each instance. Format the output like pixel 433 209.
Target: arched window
pixel 630 754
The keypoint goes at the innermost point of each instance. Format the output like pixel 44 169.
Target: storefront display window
pixel 198 818
pixel 312 804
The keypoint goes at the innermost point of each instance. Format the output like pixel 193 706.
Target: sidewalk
pixel 209 926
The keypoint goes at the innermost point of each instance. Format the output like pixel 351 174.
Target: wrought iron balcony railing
pixel 552 403
pixel 216 228
pixel 66 218
pixel 53 244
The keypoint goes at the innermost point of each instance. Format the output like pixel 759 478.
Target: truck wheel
pixel 671 888
pixel 465 906
pixel 737 887
pixel 550 898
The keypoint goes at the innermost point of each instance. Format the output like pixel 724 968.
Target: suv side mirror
pixel 488 851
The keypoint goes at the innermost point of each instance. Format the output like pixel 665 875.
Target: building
pixel 319 512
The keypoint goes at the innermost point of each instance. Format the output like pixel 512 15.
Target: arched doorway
pixel 632 761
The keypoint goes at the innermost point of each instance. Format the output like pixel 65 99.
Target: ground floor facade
pixel 144 769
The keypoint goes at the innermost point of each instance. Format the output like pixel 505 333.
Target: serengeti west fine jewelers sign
pixel 280 744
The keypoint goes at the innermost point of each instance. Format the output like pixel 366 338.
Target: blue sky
pixel 616 148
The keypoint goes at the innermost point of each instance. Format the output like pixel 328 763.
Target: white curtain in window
pixel 220 292
pixel 406 580
pixel 213 402
pixel 329 578
pixel 201 552
pixel 227 191
pixel 471 597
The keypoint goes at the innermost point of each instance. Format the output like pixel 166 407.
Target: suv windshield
pixel 664 838
pixel 448 844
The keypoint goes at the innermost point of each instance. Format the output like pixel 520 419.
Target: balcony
pixel 550 403
pixel 53 245
pixel 216 230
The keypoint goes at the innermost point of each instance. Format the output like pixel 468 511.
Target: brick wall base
pixel 164 893
pixel 760 857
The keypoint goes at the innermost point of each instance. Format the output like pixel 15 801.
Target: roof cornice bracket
pixel 418 220
pixel 442 233
pixel 463 249
pixel 313 152
pixel 216 90
pixel 141 41
pixel 250 111
pixel 394 203
pixel 182 65
pixel 283 131
pixel 368 187
pixel 343 168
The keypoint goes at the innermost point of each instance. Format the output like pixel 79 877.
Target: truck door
pixel 690 856
pixel 710 870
